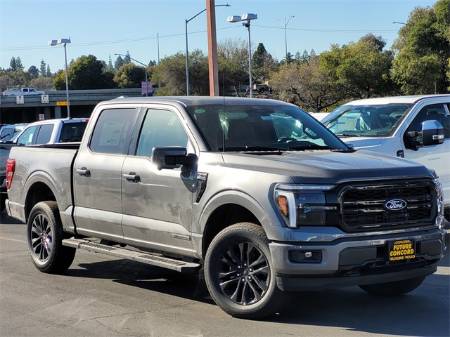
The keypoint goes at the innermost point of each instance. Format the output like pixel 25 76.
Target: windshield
pixel 367 120
pixel 261 128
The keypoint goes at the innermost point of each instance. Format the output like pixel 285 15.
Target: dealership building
pixel 31 108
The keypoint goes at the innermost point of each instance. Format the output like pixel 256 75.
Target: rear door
pixel 98 171
pixel 157 205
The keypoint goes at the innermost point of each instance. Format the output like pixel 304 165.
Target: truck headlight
pixel 302 204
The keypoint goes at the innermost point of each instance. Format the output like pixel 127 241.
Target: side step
pixel 144 257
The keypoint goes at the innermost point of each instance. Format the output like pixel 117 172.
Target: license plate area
pixel 401 251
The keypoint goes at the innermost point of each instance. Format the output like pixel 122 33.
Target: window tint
pixel 72 132
pixel 432 112
pixel 44 134
pixel 6 133
pixel 112 131
pixel 26 138
pixel 160 128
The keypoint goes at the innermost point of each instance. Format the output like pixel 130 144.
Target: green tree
pixel 306 85
pixel 33 72
pixel 118 63
pixel 263 63
pixel 423 51
pixel 86 72
pixel 12 64
pixel 232 56
pixel 361 69
pixel 48 73
pixel 19 65
pixel 43 68
pixel 129 76
pixel 42 83
pixel 127 58
pixel 170 73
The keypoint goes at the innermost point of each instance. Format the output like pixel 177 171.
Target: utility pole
pixel 212 48
pixel 286 22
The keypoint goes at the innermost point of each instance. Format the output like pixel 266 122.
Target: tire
pixel 44 237
pixel 393 288
pixel 235 291
pixel 2 202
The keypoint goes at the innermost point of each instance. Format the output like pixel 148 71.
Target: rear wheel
pixel 393 288
pixel 239 273
pixel 45 234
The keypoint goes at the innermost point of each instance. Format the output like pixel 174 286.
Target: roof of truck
pixel 196 100
pixel 394 99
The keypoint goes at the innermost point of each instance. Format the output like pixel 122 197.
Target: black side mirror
pixel 172 157
pixel 432 133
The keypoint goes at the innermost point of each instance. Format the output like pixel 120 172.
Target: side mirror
pixel 172 157
pixel 432 133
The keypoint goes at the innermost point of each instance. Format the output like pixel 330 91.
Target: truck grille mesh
pixel 363 208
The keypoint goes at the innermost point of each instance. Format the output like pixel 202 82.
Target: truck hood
pixel 327 166
pixel 367 143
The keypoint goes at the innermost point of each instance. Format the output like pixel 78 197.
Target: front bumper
pixel 354 260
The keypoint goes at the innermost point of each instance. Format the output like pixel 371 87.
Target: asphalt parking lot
pixel 102 296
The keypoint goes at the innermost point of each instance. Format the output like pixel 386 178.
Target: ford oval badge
pixel 395 204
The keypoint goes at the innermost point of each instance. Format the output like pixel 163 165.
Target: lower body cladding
pixel 360 259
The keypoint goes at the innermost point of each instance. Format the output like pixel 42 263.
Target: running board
pixel 143 257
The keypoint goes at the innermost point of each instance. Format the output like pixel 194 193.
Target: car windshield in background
pixel 72 132
pixel 261 128
pixel 367 120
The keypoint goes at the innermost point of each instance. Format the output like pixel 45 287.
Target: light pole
pixel 145 70
pixel 399 22
pixel 64 42
pixel 245 19
pixel 186 21
pixel 286 22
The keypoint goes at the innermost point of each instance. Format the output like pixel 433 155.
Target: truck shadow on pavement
pixel 424 312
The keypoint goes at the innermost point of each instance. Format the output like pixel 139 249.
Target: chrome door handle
pixel 133 177
pixel 83 172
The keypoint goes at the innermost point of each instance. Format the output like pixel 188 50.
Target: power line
pixel 327 30
pixel 100 43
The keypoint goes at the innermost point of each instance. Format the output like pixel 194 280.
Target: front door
pixel 157 204
pixel 97 175
pixel 436 157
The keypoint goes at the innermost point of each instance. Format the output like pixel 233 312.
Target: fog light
pixel 305 256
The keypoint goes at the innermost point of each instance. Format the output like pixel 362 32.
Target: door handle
pixel 83 172
pixel 133 177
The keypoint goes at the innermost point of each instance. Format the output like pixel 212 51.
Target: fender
pixel 237 197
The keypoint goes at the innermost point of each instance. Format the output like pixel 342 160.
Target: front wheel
pixel 393 288
pixel 45 234
pixel 239 273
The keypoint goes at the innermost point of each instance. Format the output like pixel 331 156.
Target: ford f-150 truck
pixel 394 126
pixel 255 194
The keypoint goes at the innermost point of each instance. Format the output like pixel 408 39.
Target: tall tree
pixel 263 63
pixel 118 63
pixel 48 73
pixel 19 65
pixel 12 64
pixel 33 72
pixel 43 68
pixel 86 72
pixel 361 69
pixel 110 66
pixel 129 76
pixel 127 58
pixel 423 51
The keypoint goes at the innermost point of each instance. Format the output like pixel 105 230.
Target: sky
pixel 106 27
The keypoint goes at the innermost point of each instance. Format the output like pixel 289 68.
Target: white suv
pixel 398 126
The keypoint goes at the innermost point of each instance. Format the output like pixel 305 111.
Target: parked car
pixel 22 92
pixel 9 131
pixel 43 132
pixel 401 127
pixel 257 192
pixel 319 115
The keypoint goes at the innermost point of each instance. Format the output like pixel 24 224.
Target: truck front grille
pixel 364 208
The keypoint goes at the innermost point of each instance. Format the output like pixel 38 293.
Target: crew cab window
pixel 432 112
pixel 27 137
pixel 6 133
pixel 160 128
pixel 44 134
pixel 113 130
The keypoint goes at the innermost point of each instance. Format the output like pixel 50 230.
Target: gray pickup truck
pixel 256 195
